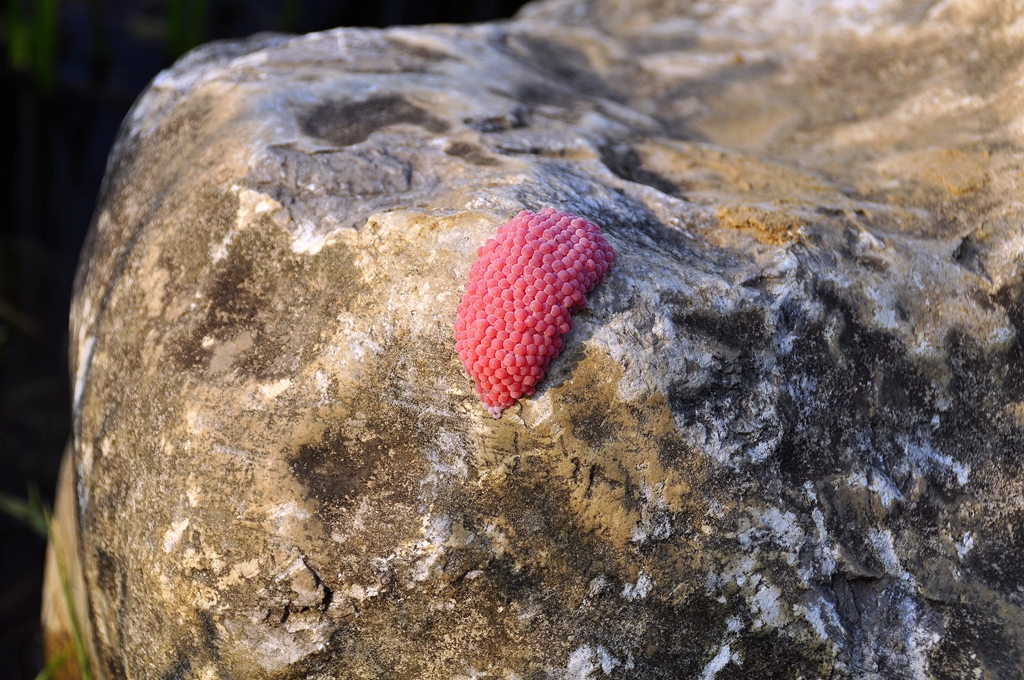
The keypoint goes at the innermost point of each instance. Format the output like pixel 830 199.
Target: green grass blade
pixel 30 512
pixel 44 42
pixel 51 668
pixel 195 23
pixel 173 15
pixel 76 630
pixel 185 22
pixel 37 515
pixel 19 45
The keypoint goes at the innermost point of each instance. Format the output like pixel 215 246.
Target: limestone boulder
pixel 784 440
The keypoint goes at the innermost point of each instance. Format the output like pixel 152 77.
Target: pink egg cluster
pixel 522 289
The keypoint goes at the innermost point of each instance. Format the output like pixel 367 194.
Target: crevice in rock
pixel 624 162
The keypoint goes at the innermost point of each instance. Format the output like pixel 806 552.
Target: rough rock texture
pixel 784 439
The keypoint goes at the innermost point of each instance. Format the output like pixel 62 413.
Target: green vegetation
pixel 185 25
pixel 36 514
pixel 52 666
pixel 30 31
pixel 32 511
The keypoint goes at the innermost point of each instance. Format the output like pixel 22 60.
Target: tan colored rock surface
pixel 785 437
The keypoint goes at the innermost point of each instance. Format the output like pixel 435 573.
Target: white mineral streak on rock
pixel 84 357
pixel 821 614
pixel 285 511
pixel 767 607
pixel 923 455
pixel 920 639
pixel 275 389
pixel 585 661
pixel 239 571
pixel 784 527
pixel 965 544
pixel 737 431
pixel 308 236
pixel 885 549
pixel 609 663
pixel 173 534
pixel 717 663
pixel 251 205
pixel 655 523
pixel 436 532
pixel 581 664
pixel 654 360
pixel 813 616
pixel 638 590
pixel 276 649
pixel 285 520
pixel 447 466
pixel 877 482
pixel 825 551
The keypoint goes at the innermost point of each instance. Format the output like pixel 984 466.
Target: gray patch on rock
pixel 348 123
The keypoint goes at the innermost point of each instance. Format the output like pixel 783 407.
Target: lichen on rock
pixel 782 440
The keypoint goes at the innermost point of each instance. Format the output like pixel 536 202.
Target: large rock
pixel 784 440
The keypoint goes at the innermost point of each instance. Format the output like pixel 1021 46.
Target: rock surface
pixel 785 436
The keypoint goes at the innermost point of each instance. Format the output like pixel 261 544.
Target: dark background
pixel 69 71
